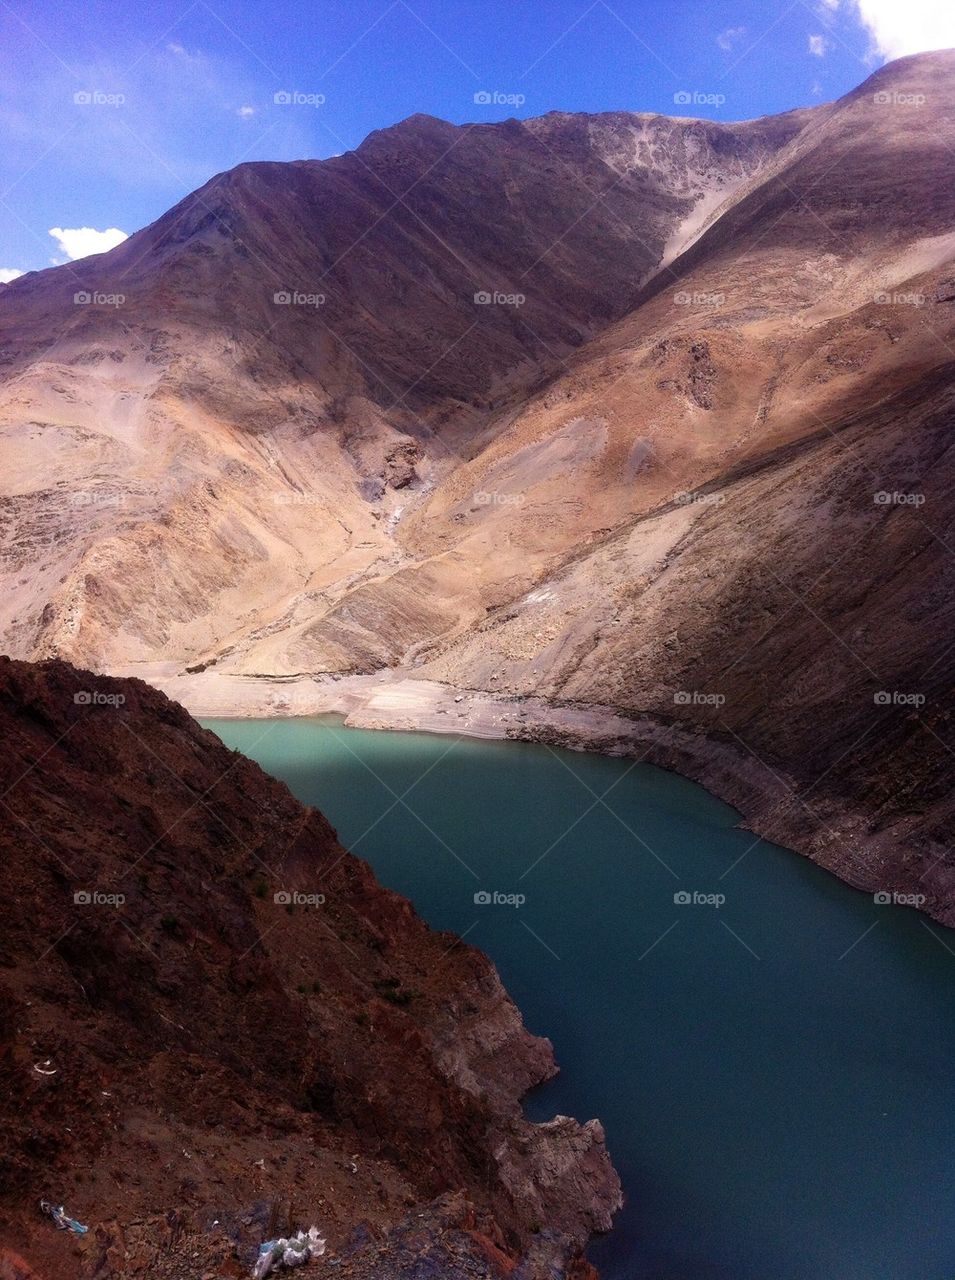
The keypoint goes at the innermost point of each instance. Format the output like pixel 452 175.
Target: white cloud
pixel 80 242
pixel 246 112
pixel 899 27
pixel 731 36
pixel 9 273
pixel 819 46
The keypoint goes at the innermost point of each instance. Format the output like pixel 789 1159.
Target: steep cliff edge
pixel 218 1026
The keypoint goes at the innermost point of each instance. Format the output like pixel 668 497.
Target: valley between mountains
pixel 614 431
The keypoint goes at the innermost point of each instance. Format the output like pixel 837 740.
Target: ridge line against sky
pixel 110 113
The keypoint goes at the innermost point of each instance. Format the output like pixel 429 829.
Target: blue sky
pixel 113 110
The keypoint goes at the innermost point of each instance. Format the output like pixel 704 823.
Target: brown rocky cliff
pixel 243 1027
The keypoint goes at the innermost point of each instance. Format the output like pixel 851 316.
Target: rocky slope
pixel 700 479
pixel 211 450
pixel 218 1027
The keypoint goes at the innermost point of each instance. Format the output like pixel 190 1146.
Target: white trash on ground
pixel 288 1251
pixel 58 1214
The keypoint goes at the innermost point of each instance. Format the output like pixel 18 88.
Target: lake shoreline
pixel 827 831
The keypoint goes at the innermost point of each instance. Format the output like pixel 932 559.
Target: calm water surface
pixel 775 1073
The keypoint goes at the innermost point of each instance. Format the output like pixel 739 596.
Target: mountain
pixel 211 1008
pixel 198 459
pixel 698 480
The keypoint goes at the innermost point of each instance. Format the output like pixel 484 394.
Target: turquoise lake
pixel 774 1071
